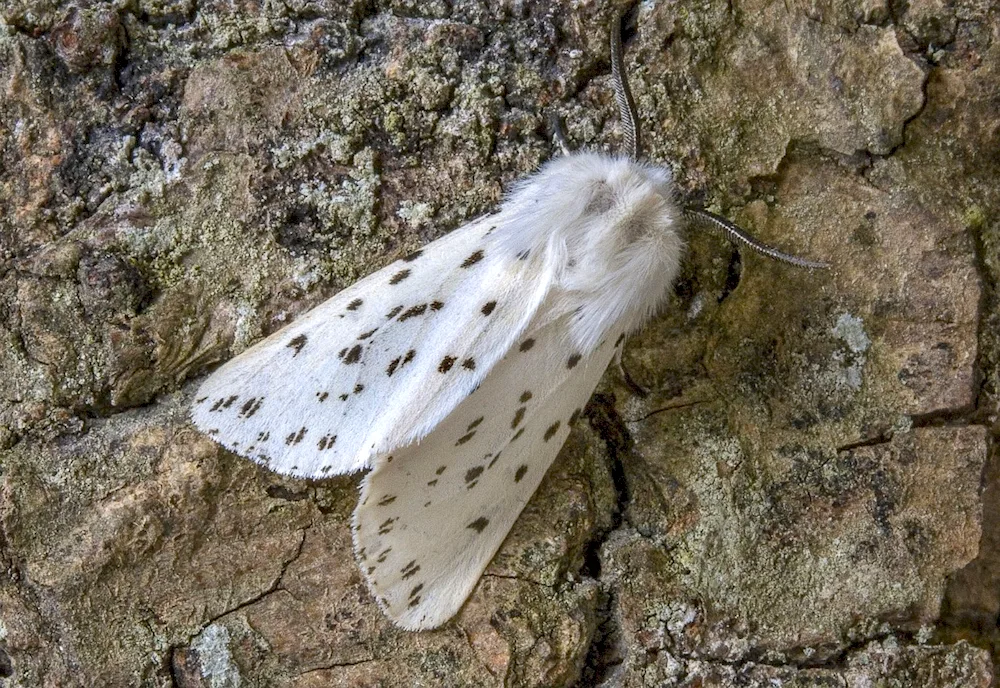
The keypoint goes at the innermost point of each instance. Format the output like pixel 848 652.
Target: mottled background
pixel 810 494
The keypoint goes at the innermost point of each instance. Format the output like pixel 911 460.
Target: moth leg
pixel 630 382
pixel 559 135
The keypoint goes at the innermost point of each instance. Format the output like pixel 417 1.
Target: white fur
pixel 580 254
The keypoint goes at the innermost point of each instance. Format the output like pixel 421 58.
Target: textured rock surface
pixel 809 495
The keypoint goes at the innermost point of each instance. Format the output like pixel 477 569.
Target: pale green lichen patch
pixel 415 214
pixel 850 330
pixel 215 659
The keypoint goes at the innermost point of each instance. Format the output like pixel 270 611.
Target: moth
pixel 454 374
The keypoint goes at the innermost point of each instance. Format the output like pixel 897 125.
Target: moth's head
pixel 623 210
pixel 626 202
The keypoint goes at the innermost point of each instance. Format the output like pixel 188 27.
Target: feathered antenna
pixel 623 94
pixel 738 235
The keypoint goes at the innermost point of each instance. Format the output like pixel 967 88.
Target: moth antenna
pixel 623 95
pixel 735 233
pixel 559 134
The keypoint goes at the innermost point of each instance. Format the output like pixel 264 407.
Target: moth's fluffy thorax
pixel 607 229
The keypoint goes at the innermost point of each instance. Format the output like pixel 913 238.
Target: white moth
pixel 456 373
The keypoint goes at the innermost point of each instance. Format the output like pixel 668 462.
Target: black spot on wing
pixel 475 424
pixel 409 356
pixel 517 434
pixel 518 417
pixel 413 312
pixel 440 470
pixel 519 473
pixel 469 364
pixel 354 305
pixel 366 335
pixel 358 388
pixel 297 343
pixel 399 276
pixel 393 364
pixel 473 473
pixel 550 431
pixel 621 338
pixel 387 500
pixel 353 356
pixel 251 407
pixel 523 255
pixel 296 437
pixel 322 396
pixel 488 307
pixel 525 397
pixel 575 417
pixel 436 305
pixel 573 360
pixel 412 256
pixel 410 569
pixel 393 313
pixel 465 438
pixel 479 524
pixel 526 344
pixel 446 363
pixel 473 259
